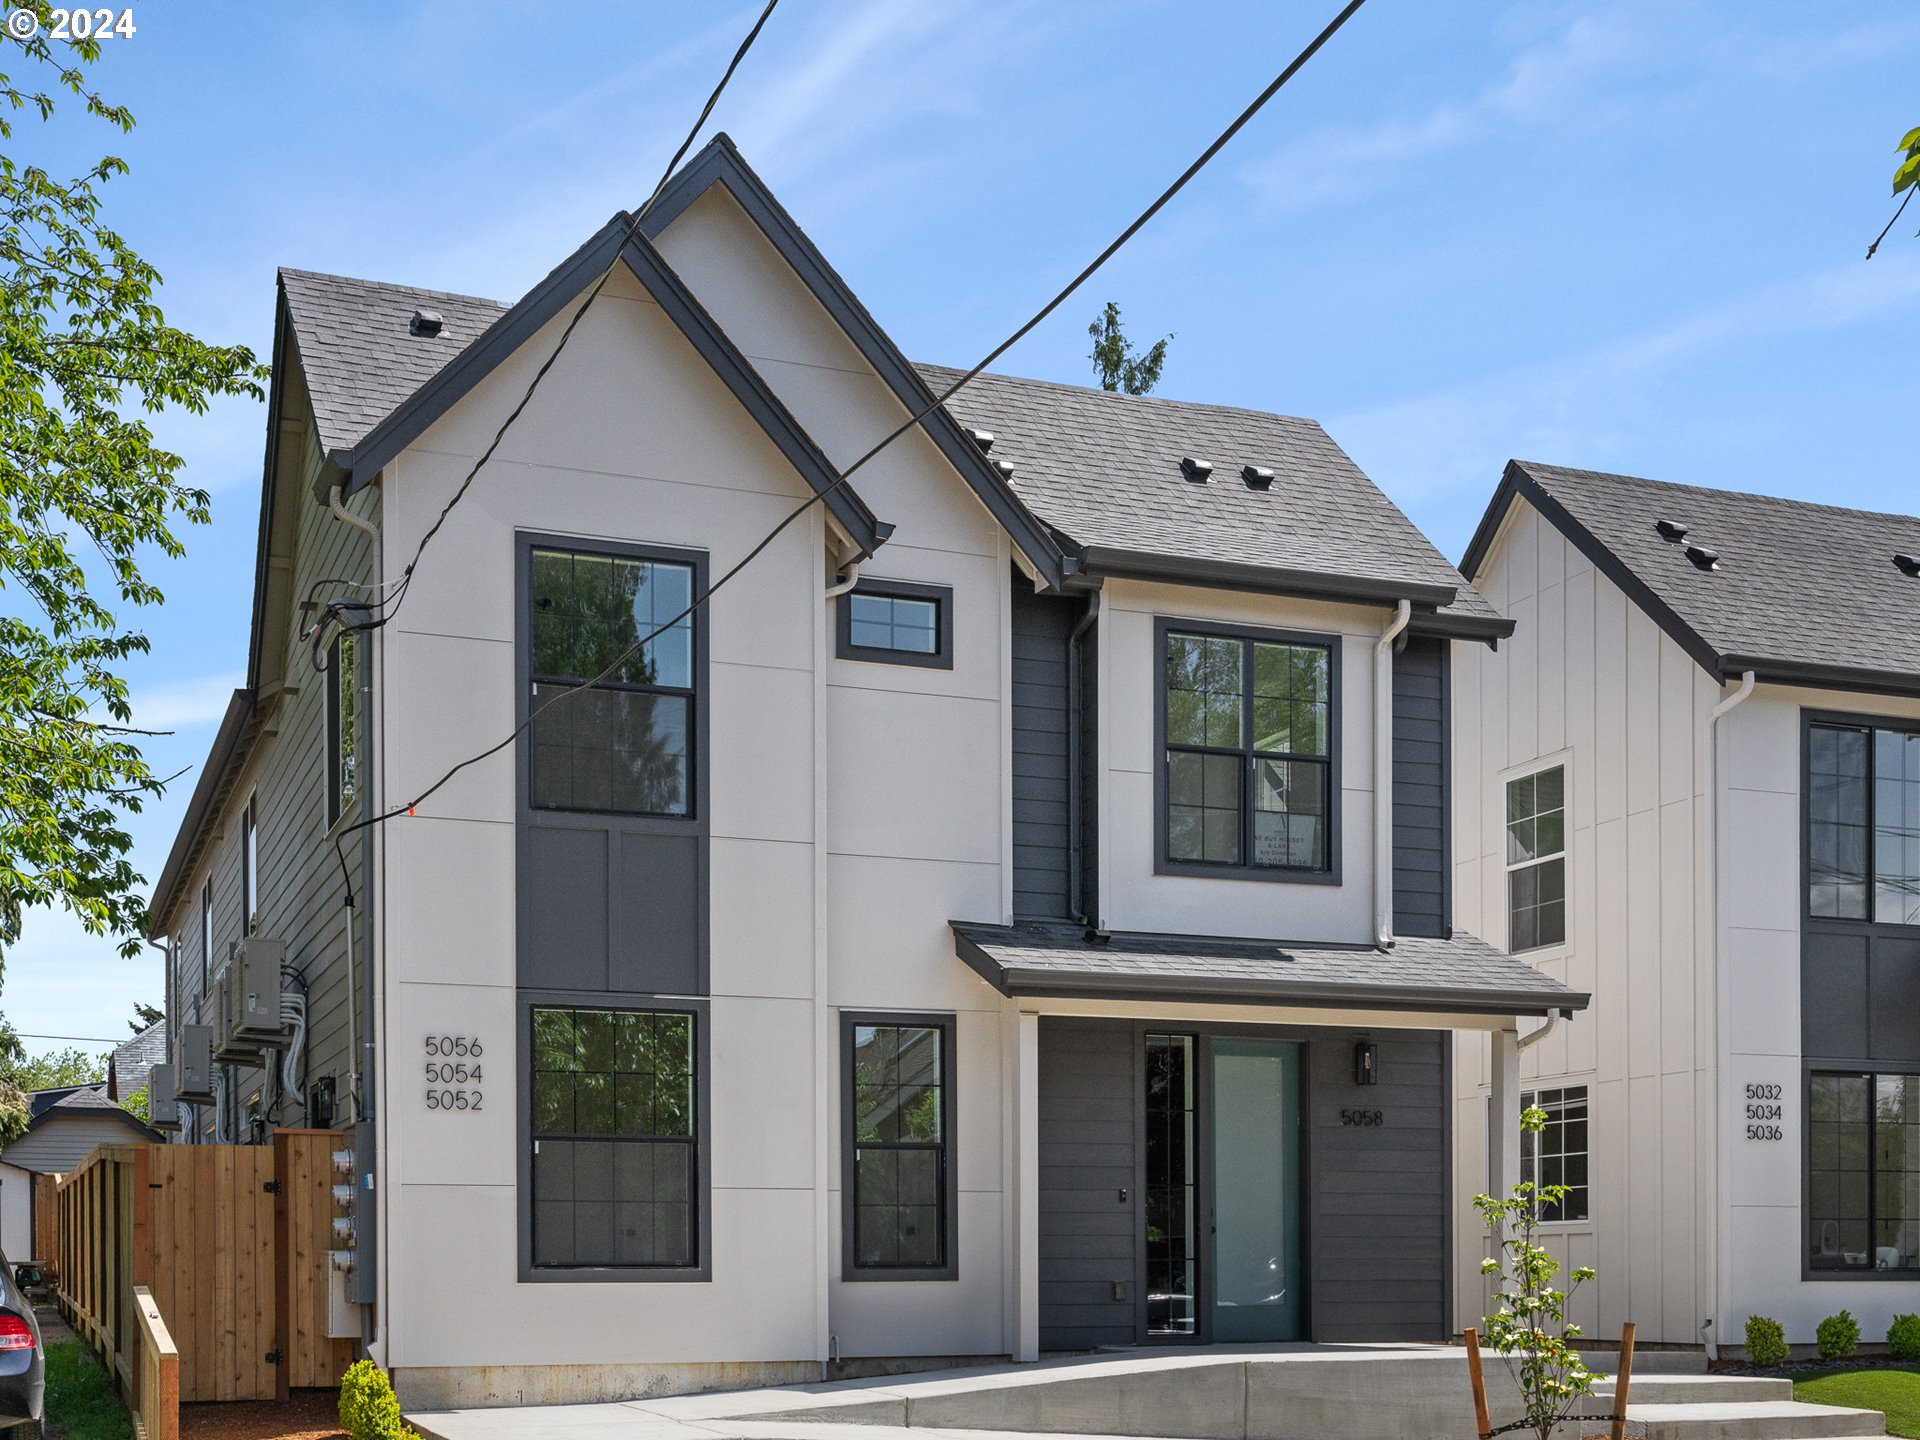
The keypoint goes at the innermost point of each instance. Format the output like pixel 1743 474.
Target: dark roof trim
pixel 1815 675
pixel 58 1111
pixel 1103 560
pixel 1516 482
pixel 1455 625
pixel 721 163
pixel 283 346
pixel 548 299
pixel 206 794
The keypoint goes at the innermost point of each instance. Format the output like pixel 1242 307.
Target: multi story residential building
pixel 1690 785
pixel 1011 915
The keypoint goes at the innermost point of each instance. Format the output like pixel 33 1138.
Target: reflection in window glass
pixel 1837 838
pixel 1863 1183
pixel 614 1163
pixel 1896 827
pixel 893 622
pixel 1536 860
pixel 900 1146
pixel 1557 1155
pixel 1172 1245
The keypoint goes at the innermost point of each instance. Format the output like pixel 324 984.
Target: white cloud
pixel 183 704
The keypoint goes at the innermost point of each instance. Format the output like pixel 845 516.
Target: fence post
pixel 282 1266
pixel 1479 1385
pixel 1621 1381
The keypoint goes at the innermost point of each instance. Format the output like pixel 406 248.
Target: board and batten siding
pixel 1590 681
pixel 1041 852
pixel 1420 878
pixel 1089 1093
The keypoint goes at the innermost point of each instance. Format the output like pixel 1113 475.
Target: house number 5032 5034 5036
pixel 1765 1110
pixel 454 1072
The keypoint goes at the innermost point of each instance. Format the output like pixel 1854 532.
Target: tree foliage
pixel 1906 179
pixel 145 1017
pixel 1116 362
pixel 55 1070
pixel 85 493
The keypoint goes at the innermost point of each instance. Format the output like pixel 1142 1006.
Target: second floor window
pixel 206 934
pixel 1249 726
pixel 625 745
pixel 1863 823
pixel 343 733
pixel 249 872
pixel 1537 860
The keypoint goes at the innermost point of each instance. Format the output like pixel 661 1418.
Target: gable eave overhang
pixel 616 243
pixel 231 744
pixel 284 348
pixel 721 163
pixel 1103 561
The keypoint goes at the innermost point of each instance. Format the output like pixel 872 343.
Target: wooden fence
pixel 228 1245
pixel 156 1372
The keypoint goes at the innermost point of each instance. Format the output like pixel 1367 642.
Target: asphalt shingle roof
pixel 1797 582
pixel 1462 974
pixel 133 1060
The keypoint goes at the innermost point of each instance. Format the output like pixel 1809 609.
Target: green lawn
pixel 81 1401
pixel 1897 1392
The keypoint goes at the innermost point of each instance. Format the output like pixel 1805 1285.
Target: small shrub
pixel 368 1409
pixel 1903 1337
pixel 1766 1341
pixel 1838 1336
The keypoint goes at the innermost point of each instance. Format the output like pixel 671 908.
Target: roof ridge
pixel 1532 466
pixel 393 285
pixel 1118 397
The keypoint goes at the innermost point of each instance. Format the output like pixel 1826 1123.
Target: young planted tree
pixel 1528 1329
pixel 1115 360
pixel 85 495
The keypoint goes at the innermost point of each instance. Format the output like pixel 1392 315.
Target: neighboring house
pixel 67 1125
pixel 1690 784
pixel 128 1067
pixel 1012 916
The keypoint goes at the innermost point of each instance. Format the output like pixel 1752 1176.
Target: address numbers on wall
pixel 1766 1109
pixel 454 1072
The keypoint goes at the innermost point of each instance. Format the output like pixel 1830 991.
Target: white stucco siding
pixel 1590 682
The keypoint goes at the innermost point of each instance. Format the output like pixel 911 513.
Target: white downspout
pixel 1383 775
pixel 1739 697
pixel 853 579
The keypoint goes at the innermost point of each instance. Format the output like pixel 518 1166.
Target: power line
pixel 87 1039
pixel 1133 228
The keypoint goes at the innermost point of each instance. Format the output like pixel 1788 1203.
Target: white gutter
pixel 1383 775
pixel 1714 949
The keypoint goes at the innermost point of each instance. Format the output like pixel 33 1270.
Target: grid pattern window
pixel 625 745
pixel 1173 1269
pixel 1249 757
pixel 896 622
pixel 1557 1154
pixel 249 872
pixel 615 1162
pixel 1863 824
pixel 899 1076
pixel 1863 1185
pixel 343 701
pixel 1537 860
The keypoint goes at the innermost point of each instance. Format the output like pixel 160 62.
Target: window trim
pixel 1528 1098
pixel 701 1272
pixel 206 935
pixel 940 595
pixel 249 869
pixel 1808 1270
pixel 1563 762
pixel 1165 625
pixel 947 1023
pixel 1834 924
pixel 336 732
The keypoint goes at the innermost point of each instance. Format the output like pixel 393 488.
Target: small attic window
pixel 425 323
pixel 981 438
pixel 1703 558
pixel 1907 564
pixel 1670 531
pixel 1258 477
pixel 1195 469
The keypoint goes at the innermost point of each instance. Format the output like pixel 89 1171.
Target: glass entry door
pixel 1255 1140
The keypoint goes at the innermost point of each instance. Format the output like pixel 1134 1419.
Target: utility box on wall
pixel 194 1083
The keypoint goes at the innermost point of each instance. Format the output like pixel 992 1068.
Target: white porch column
pixel 1025 1185
pixel 1503 1138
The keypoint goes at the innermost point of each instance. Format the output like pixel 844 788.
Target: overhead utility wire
pixel 1125 235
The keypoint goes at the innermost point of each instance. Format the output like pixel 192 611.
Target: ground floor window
pixel 1557 1155
pixel 615 1160
pixel 1863 1183
pixel 1172 1239
pixel 899 1179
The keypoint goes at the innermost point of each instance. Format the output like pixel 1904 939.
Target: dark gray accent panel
pixel 1041 852
pixel 1420 789
pixel 563 908
pixel 1833 997
pixel 656 911
pixel 1089 1236
pixel 1376 1233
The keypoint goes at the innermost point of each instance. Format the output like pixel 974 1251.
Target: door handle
pixel 1123 1195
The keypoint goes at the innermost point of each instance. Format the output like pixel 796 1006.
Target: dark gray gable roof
pixel 1462 975
pixel 1804 593
pixel 1104 469
pixel 133 1060
pixel 365 438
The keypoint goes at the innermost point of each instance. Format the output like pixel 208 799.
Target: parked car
pixel 23 1365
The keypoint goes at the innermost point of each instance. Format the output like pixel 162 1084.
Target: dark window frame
pixel 700 1009
pixel 249 868
pixel 949 1268
pixel 1531 1152
pixel 941 597
pixel 1538 863
pixel 1808 1270
pixel 206 935
pixel 1163 864
pixel 1835 924
pixel 697 694
pixel 337 725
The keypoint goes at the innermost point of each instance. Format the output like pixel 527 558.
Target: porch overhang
pixel 1462 975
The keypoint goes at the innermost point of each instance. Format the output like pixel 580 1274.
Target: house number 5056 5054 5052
pixel 454 1072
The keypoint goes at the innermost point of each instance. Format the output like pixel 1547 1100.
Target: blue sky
pixel 1618 235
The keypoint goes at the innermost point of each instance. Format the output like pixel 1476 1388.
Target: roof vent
pixel 981 438
pixel 1005 467
pixel 1258 477
pixel 424 322
pixel 1703 558
pixel 1195 470
pixel 1670 531
pixel 1908 564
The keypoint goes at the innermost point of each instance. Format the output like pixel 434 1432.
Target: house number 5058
pixel 454 1072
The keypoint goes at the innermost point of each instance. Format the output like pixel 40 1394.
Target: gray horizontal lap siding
pixel 1420 789
pixel 58 1146
pixel 1088 1157
pixel 1041 852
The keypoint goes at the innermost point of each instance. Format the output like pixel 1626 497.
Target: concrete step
pixel 1695 1389
pixel 1649 1362
pixel 1765 1420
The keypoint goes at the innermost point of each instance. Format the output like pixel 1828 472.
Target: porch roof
pixel 1462 975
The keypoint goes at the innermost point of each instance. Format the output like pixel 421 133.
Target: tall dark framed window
pixel 1557 1155
pixel 343 730
pixel 896 622
pixel 249 871
pixel 626 744
pixel 1863 822
pixel 206 934
pixel 1248 722
pixel 1537 860
pixel 899 1188
pixel 1172 1210
pixel 614 1134
pixel 1863 1172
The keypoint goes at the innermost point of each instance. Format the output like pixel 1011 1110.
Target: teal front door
pixel 1255 1139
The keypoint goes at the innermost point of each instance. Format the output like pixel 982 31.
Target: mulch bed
pixel 1811 1362
pixel 309 1415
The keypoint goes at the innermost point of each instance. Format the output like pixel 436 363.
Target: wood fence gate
pixel 229 1241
